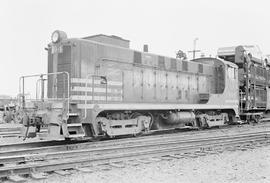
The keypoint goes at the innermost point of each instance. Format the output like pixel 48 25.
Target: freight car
pixel 98 87
pixel 254 80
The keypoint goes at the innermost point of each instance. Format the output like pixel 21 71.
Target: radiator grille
pixel 63 65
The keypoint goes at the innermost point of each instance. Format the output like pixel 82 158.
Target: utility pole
pixel 194 48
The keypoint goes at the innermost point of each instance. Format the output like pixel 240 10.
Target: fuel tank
pixel 179 117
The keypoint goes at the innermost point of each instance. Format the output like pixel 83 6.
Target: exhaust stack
pixel 145 48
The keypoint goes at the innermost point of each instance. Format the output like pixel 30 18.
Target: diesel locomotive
pixel 97 86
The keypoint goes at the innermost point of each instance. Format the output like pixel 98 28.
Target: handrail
pixel 93 82
pixel 22 78
pixel 37 82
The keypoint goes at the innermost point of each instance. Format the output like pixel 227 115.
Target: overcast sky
pixel 166 26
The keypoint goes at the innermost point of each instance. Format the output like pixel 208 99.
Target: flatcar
pixel 97 86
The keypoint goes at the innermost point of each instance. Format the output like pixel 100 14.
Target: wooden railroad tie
pixel 38 175
pixel 16 178
pixel 104 167
pixel 86 169
pixel 62 172
pixel 132 163
pixel 117 165
pixel 145 161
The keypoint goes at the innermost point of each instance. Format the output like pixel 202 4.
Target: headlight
pixel 57 36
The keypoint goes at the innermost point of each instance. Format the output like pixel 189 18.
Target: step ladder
pixel 74 127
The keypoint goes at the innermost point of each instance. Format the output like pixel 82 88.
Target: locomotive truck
pixel 97 86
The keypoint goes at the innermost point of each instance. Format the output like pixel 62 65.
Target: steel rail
pixel 21 147
pixel 9 132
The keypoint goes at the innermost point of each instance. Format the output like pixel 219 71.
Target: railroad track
pixel 8 128
pixel 13 130
pixel 53 146
pixel 42 143
pixel 116 153
pixel 15 133
pixel 9 132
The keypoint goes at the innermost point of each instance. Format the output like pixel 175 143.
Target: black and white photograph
pixel 135 91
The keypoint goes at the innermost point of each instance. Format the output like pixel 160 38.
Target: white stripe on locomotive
pixel 99 89
pixel 102 98
pixel 96 81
